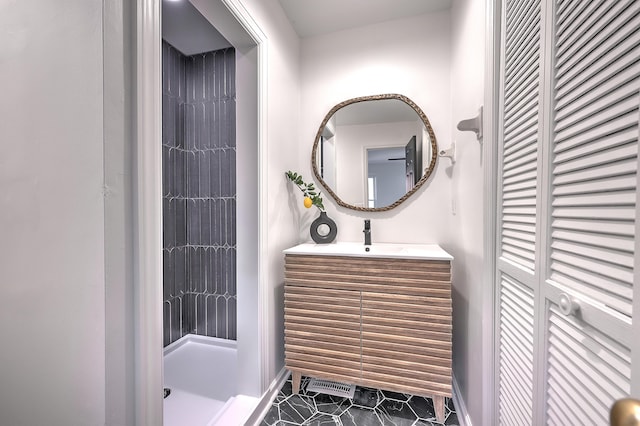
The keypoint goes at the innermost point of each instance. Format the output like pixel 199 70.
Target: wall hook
pixel 449 153
pixel 472 125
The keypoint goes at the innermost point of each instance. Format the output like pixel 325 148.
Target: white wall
pixel 410 57
pixel 118 166
pixel 437 60
pixel 281 154
pixel 466 185
pixel 329 161
pixel 52 257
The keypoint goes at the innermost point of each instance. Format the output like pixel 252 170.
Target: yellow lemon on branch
pixel 311 197
pixel 308 202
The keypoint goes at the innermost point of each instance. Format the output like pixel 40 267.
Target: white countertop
pixel 402 251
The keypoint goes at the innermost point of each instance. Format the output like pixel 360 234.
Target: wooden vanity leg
pixel 438 405
pixel 295 378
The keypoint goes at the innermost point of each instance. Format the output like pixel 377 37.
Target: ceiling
pixel 375 112
pixel 382 155
pixel 316 17
pixel 191 33
pixel 187 30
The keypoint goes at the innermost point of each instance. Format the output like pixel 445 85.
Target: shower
pixel 251 345
pixel 199 194
pixel 200 300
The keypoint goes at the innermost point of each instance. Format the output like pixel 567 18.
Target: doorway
pixel 237 26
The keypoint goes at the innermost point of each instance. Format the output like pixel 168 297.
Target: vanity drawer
pixel 405 276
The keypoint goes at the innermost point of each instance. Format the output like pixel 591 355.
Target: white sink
pixel 406 251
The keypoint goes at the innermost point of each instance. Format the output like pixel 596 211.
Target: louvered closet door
pixel 592 183
pixel 568 185
pixel 518 198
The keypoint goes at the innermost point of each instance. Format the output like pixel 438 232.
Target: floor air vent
pixel 330 387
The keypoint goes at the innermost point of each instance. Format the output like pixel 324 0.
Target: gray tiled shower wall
pixel 199 193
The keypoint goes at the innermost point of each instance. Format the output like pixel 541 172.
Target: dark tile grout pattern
pixel 368 407
pixel 199 193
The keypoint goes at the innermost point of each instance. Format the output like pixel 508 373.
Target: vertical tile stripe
pixel 199 191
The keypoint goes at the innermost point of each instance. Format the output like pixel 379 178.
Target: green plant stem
pixel 307 189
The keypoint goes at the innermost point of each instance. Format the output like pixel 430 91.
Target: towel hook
pixel 472 124
pixel 450 152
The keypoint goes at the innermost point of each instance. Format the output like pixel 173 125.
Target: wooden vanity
pixel 380 319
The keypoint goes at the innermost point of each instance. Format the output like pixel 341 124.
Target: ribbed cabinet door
pixel 406 330
pixel 322 332
pixel 519 180
pixel 593 187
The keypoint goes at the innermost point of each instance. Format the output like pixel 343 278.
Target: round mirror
pixel 374 152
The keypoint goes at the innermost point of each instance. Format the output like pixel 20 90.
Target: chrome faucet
pixel 367 232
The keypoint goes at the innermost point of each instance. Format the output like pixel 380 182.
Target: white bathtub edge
pixel 267 399
pixel 205 340
pixel 220 413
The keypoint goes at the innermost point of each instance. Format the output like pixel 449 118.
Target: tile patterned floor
pixel 368 407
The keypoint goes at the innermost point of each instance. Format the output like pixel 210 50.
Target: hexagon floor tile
pixel 367 407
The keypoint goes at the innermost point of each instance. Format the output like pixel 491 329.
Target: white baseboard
pixel 267 398
pixel 461 408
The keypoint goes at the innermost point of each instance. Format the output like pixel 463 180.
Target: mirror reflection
pixel 370 152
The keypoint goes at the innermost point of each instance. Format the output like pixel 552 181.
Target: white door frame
pixel 490 163
pixel 148 208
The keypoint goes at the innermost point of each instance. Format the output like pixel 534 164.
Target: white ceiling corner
pixel 184 27
pixel 316 17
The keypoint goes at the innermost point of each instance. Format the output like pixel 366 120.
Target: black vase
pixel 323 229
